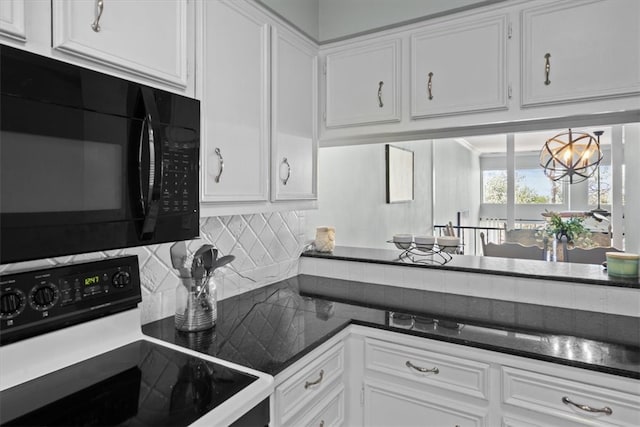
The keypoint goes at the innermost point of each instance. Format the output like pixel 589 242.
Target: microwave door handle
pixel 155 168
pixel 143 132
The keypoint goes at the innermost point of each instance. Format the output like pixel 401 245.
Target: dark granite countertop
pixel 533 269
pixel 270 328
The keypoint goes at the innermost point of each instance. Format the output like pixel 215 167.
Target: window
pixel 605 186
pixel 494 186
pixel 532 187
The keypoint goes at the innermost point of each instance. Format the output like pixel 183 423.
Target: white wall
pixel 352 197
pixel 339 18
pixel 632 194
pixel 456 182
pixel 301 13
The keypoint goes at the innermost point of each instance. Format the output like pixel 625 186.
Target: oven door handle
pixel 151 206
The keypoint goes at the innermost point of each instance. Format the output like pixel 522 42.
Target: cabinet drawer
pixel 547 394
pixel 388 404
pixel 328 413
pixel 307 385
pixel 453 373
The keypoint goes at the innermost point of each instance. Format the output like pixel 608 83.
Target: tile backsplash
pixel 266 246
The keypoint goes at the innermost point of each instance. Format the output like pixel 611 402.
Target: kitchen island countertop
pixel 272 327
pixel 513 267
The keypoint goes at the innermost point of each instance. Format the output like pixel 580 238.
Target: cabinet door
pixel 459 67
pixel 580 50
pixel 387 404
pixel 12 24
pixel 234 89
pixel 294 117
pixel 146 38
pixel 363 84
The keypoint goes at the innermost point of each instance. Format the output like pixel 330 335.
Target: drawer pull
pixel 308 384
pixel 547 68
pixel 96 22
pixel 286 178
pixel 380 103
pixel 430 86
pixel 419 369
pixel 220 165
pixel 606 410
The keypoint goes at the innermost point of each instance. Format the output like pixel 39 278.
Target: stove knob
pixel 121 279
pixel 44 296
pixel 11 304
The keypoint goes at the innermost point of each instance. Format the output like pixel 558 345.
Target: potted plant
pixel 572 228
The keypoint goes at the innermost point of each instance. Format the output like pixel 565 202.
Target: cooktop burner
pixel 139 384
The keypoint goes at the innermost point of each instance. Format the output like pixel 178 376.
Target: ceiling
pixel 329 20
pixel 529 141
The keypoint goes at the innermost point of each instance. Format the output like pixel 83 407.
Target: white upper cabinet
pixel 363 84
pixel 147 38
pixel 580 50
pixel 234 88
pixel 12 19
pixel 294 117
pixel 459 67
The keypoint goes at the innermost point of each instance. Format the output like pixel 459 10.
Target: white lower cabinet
pixel 313 392
pixel 389 404
pixel 411 384
pixel 566 401
pixel 372 377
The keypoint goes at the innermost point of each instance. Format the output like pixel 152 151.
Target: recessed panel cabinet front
pixel 580 50
pixel 389 404
pixel 459 67
pixel 145 38
pixel 294 117
pixel 234 89
pixel 363 84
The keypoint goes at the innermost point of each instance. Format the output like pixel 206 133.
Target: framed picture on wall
pixel 399 163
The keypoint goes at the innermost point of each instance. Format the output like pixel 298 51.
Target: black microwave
pixel 91 162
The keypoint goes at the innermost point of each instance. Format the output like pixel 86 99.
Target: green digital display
pixel 93 280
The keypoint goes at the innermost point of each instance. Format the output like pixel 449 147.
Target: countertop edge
pixel 617 282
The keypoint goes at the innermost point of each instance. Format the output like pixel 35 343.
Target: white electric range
pixel 72 353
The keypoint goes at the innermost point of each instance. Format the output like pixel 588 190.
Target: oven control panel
pixel 44 299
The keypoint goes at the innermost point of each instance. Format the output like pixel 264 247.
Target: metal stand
pixel 427 254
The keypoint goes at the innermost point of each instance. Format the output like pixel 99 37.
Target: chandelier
pixel 570 156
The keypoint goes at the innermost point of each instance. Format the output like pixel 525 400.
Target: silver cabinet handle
pixel 286 178
pixel 220 165
pixel 430 86
pixel 308 384
pixel 96 22
pixel 547 68
pixel 606 410
pixel 419 369
pixel 380 103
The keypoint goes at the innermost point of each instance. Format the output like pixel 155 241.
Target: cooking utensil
pixel 197 268
pixel 213 266
pixel 222 261
pixel 178 252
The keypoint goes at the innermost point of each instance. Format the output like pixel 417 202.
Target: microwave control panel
pixel 180 176
pixel 47 298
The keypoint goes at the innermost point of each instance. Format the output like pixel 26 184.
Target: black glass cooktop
pixel 139 384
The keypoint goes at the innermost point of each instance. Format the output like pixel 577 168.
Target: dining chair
pixel 513 250
pixel 595 255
